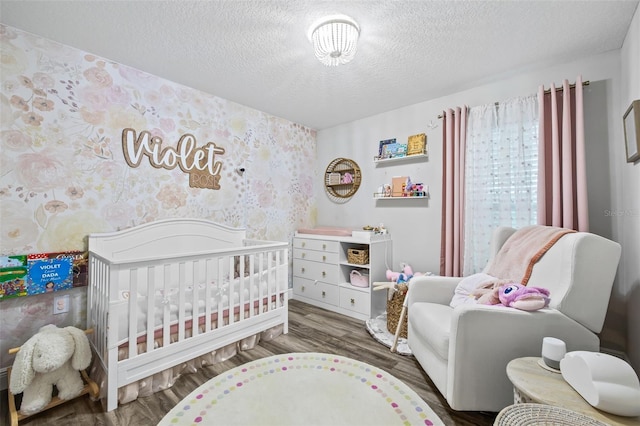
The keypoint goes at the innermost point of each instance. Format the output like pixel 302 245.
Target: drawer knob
pixel 324 294
pixel 324 258
pixel 324 274
pixel 353 302
pixel 302 288
pixel 303 255
pixel 324 246
pixel 302 270
pixel 303 244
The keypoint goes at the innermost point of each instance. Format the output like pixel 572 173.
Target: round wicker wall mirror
pixel 342 179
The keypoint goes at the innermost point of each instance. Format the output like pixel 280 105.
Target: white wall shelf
pixel 422 197
pixel 378 161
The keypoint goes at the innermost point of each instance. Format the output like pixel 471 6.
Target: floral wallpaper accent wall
pixel 63 172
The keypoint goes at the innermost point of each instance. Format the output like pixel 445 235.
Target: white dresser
pixel 321 273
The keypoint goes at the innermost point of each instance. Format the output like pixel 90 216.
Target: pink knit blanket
pixel 522 250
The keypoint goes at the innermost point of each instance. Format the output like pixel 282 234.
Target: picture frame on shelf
pixel 383 143
pixel 631 121
pixel 417 144
pixel 398 184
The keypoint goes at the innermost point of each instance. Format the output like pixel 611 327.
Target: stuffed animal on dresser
pixel 53 356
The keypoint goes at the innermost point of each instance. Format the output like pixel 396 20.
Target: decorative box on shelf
pixel 334 178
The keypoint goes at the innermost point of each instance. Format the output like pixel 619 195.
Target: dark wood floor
pixel 311 329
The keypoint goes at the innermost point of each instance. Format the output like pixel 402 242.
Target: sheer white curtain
pixel 501 174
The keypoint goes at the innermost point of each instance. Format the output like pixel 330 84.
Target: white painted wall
pixel 415 226
pixel 626 197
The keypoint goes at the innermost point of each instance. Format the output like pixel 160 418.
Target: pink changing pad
pixel 327 230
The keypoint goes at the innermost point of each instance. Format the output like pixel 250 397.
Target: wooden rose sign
pixel 199 162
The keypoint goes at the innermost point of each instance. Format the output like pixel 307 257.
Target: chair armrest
pixel 433 289
pixel 497 334
pixel 513 327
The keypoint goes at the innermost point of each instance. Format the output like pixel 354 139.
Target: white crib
pixel 151 283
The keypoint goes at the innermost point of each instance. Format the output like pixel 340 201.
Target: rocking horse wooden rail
pixel 15 417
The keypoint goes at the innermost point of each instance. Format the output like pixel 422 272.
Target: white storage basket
pixel 358 279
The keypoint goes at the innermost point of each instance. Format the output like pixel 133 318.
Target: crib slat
pixel 151 307
pixel 230 289
pixel 220 292
pixel 133 312
pixel 262 286
pixel 281 281
pixel 166 314
pixel 194 300
pixel 275 281
pixel 252 283
pixel 112 322
pixel 181 300
pixel 240 288
pixel 209 283
pixel 270 280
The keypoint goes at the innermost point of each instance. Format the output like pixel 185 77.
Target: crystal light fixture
pixel 335 39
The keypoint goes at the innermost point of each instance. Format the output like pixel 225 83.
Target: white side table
pixel 533 383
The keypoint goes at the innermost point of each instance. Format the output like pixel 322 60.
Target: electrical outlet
pixel 61 304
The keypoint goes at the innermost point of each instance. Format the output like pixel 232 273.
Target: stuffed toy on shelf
pixel 53 356
pixel 404 276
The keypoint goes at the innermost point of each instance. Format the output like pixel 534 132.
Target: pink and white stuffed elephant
pixel 53 356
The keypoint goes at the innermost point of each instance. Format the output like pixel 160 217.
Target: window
pixel 501 174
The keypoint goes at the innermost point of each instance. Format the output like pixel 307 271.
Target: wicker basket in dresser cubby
pixel 358 255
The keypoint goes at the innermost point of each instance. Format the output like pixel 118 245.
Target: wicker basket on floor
pixel 394 308
pixel 533 414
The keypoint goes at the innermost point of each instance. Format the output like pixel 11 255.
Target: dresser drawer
pixel 318 245
pixel 354 300
pixel 315 256
pixel 316 271
pixel 316 290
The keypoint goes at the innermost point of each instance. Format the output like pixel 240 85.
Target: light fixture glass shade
pixel 335 40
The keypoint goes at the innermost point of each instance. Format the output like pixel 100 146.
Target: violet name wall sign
pixel 199 162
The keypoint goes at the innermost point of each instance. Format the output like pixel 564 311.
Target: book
pixel 383 143
pixel 417 144
pixel 398 184
pixel 48 275
pixel 13 276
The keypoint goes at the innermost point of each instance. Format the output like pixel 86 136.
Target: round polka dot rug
pixel 303 389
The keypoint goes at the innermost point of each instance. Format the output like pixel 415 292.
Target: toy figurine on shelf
pixel 407 188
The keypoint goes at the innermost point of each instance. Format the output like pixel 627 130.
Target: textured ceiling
pixel 256 52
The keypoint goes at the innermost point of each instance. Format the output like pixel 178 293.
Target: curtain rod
pixel 546 92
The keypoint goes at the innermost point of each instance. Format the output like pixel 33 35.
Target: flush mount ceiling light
pixel 335 39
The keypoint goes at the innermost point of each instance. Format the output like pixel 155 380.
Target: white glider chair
pixel 465 350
